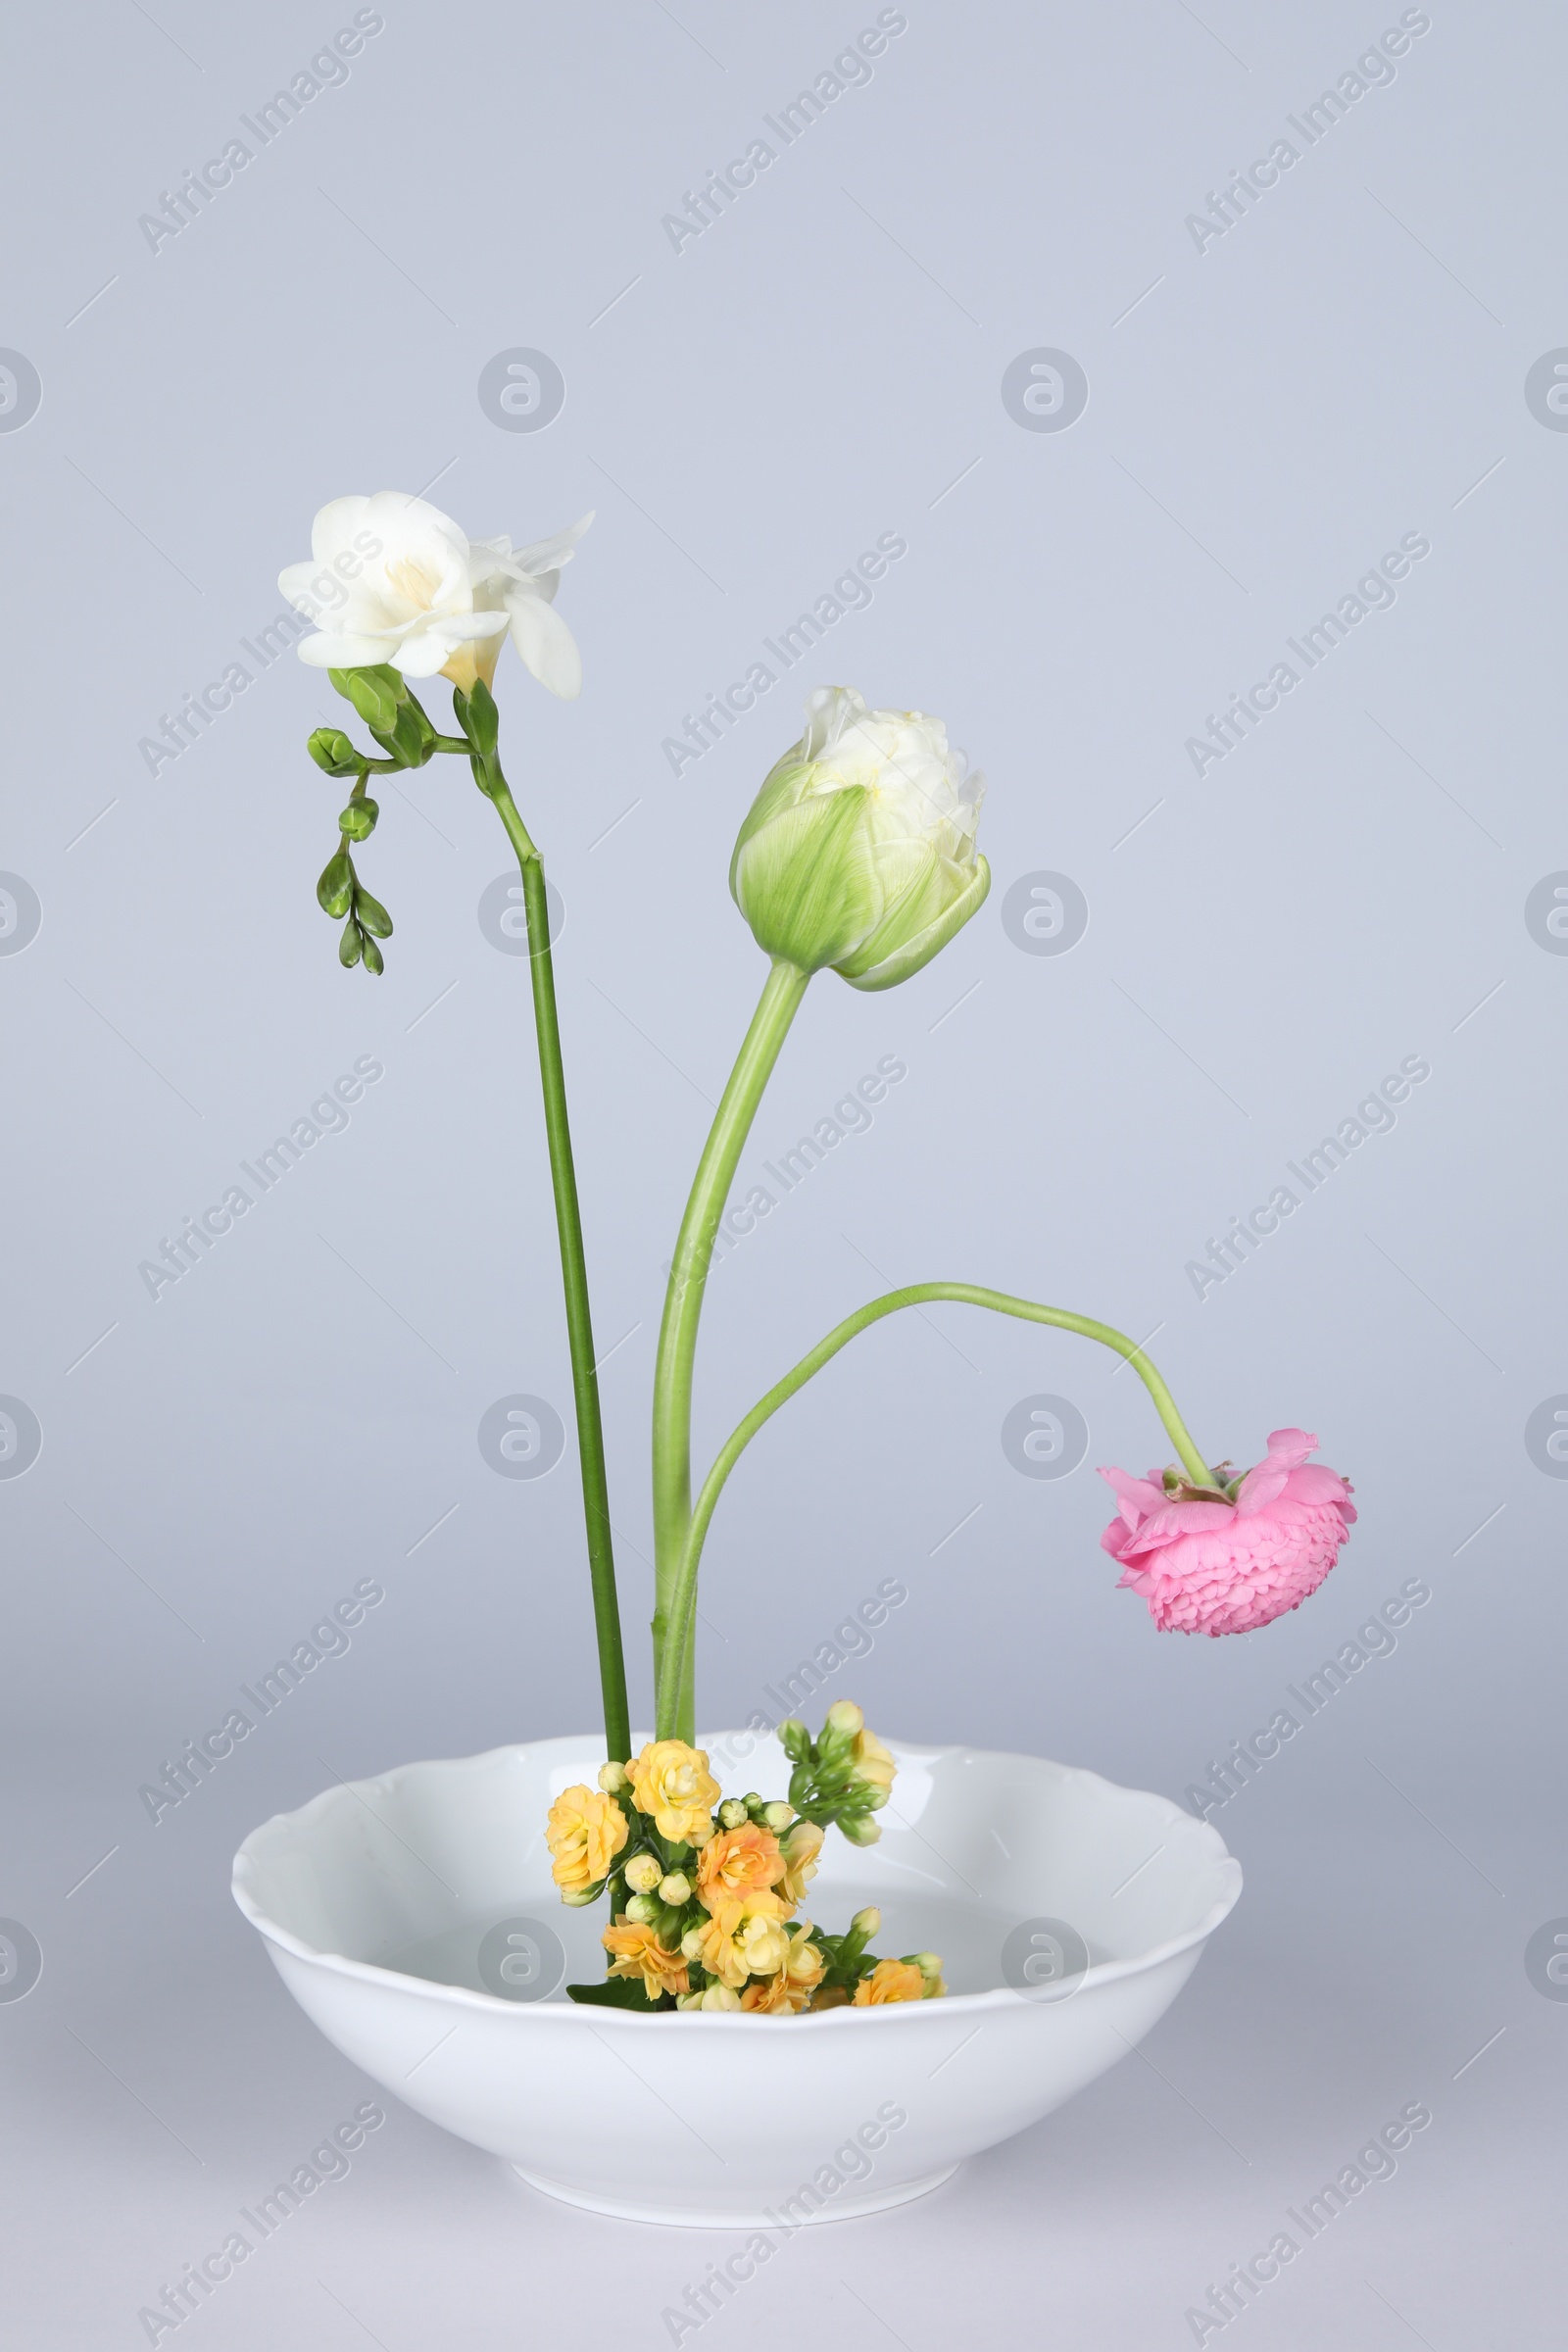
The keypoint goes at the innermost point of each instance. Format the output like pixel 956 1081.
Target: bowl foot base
pixel 782 2220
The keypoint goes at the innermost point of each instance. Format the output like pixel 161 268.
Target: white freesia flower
pixel 394 580
pixel 858 851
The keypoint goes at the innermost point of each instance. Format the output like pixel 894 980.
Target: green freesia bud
pixel 479 719
pixel 358 819
pixel 375 693
pixel 372 916
pixel 334 892
pixel 332 749
pixel 376 963
pixel 348 947
pixel 858 852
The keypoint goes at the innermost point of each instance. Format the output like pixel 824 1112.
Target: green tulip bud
pixel 358 819
pixel 858 851
pixel 332 749
pixel 334 892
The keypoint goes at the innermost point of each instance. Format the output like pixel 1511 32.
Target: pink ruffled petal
pixel 1220 1568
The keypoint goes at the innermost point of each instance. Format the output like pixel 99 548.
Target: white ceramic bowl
pixel 377 1901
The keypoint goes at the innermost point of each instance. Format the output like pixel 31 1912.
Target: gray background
pixel 822 365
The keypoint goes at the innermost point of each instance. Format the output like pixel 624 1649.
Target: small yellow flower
pixel 639 1953
pixel 790 1990
pixel 872 1763
pixel 585 1831
pixel 890 1981
pixel 643 1873
pixel 737 1863
pixel 745 1938
pixel 800 1850
pixel 672 1781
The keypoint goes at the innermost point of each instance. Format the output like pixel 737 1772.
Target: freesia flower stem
pixel 573 1274
pixel 683 1593
pixel 780 1001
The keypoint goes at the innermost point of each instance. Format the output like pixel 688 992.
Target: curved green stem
pixel 573 1271
pixel 683 1593
pixel 780 1001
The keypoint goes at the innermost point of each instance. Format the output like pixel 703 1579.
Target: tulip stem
pixel 674 1668
pixel 780 1001
pixel 574 1270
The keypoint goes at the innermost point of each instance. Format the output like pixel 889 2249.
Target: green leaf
pixel 348 947
pixel 332 749
pixel 616 1992
pixel 334 892
pixel 358 819
pixel 372 916
pixel 373 954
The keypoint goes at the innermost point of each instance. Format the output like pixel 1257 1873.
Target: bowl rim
pixel 1201 1834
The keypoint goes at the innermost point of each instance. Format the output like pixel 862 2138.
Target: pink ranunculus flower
pixel 1210 1566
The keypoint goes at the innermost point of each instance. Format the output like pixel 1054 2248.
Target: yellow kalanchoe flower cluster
pixel 704 1889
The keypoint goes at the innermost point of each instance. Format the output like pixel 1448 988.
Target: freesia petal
pixel 294 582
pixel 332 650
pixel 460 627
pixel 332 532
pixel 546 644
pixel 548 555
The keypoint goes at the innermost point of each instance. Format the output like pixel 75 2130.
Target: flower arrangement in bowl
pixel 702 1902
pixel 857 857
